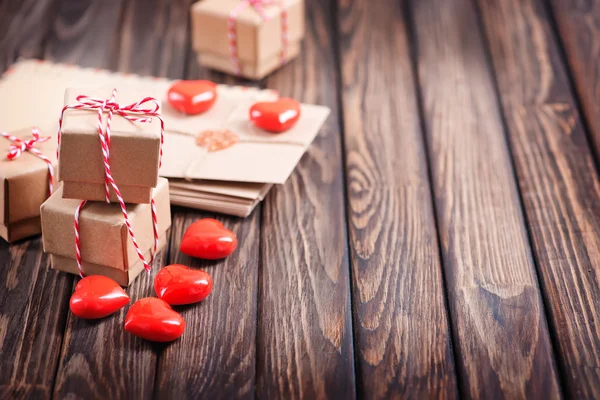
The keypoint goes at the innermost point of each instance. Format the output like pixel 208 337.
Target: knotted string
pixel 18 146
pixel 259 6
pixel 135 112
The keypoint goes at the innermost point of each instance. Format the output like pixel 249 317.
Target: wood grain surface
pixel 216 356
pixel 86 33
pixel 559 182
pixel 401 260
pixel 579 28
pixel 503 345
pixel 304 317
pixel 154 38
pixel 33 309
pixel 24 26
pixel 33 300
pixel 99 360
pixel 403 346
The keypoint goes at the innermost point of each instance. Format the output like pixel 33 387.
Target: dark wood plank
pixel 125 366
pixel 87 33
pixel 32 299
pixel 305 347
pixel 216 356
pixel 32 320
pixel 99 360
pixel 502 340
pixel 579 26
pixel 24 26
pixel 403 346
pixel 559 184
pixel 155 38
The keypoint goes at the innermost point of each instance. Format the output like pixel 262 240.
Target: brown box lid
pixel 24 181
pixel 104 237
pixel 256 39
pixel 134 150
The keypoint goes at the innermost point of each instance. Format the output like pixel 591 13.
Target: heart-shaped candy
pixel 177 285
pixel 153 319
pixel 97 296
pixel 275 116
pixel 192 97
pixel 208 238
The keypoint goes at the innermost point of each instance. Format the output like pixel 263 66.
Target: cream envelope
pixel 212 196
pixel 258 157
pixel 243 190
pixel 225 197
pixel 235 198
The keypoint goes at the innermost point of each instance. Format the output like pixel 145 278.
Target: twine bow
pixel 135 112
pixel 259 7
pixel 18 146
pixel 128 112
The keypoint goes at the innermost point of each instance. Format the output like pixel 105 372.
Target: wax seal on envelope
pixel 215 140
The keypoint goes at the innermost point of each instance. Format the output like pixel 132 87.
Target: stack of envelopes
pixel 231 181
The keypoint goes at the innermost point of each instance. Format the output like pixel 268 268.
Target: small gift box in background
pixel 134 146
pixel 106 247
pixel 249 38
pixel 27 160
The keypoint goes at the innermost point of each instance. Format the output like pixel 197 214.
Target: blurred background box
pixel 250 40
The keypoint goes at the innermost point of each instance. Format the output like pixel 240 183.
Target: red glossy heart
pixel 275 116
pixel 97 296
pixel 177 285
pixel 153 319
pixel 192 97
pixel 209 239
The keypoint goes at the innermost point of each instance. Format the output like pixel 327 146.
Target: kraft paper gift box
pixel 24 186
pixel 258 37
pixel 134 151
pixel 106 248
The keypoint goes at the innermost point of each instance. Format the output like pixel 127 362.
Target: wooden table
pixel 441 238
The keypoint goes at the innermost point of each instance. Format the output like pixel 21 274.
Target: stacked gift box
pixel 84 227
pixel 247 38
pixel 26 178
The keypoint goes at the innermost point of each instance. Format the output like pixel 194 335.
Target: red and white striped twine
pixel 77 240
pixel 134 112
pixel 284 35
pixel 259 6
pixel 19 146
